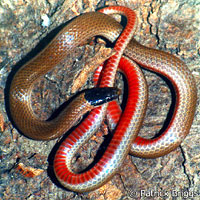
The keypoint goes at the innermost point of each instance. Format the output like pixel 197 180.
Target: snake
pixel 130 56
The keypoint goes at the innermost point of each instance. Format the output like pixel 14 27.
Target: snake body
pixel 125 138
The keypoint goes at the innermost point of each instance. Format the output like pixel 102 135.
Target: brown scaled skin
pixel 22 114
pixel 46 130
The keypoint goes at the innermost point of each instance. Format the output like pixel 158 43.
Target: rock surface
pixel 172 26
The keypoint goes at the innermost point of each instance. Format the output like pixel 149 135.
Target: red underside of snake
pixel 126 125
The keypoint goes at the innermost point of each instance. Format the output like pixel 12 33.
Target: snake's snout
pixel 99 96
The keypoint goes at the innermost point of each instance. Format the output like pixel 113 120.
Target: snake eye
pixel 99 96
